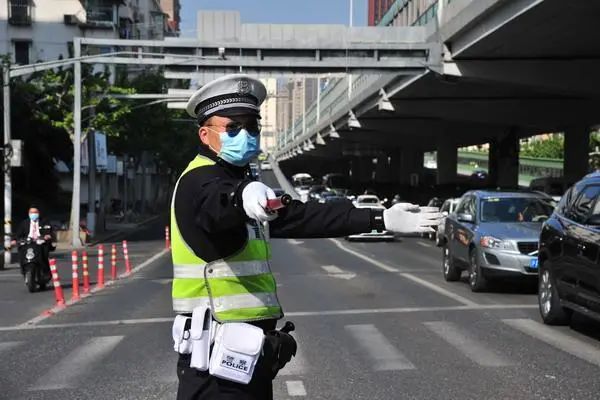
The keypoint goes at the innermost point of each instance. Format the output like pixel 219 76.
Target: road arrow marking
pixel 336 272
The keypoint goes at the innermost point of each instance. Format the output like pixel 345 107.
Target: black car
pixel 569 278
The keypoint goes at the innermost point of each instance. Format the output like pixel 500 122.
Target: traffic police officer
pixel 220 253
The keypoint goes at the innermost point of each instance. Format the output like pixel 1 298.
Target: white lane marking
pixel 357 311
pixel 4 346
pixel 336 272
pixel 466 344
pixel 439 289
pixel 423 244
pixel 295 388
pixel 295 242
pixel 77 363
pixel 376 263
pixel 10 275
pixel 162 281
pixel 56 309
pixel 562 341
pixel 385 356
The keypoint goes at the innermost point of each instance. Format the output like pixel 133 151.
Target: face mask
pixel 34 217
pixel 239 149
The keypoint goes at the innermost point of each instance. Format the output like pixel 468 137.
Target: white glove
pixel 254 199
pixel 410 218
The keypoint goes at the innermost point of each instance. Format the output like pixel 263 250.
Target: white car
pixel 370 201
pixel 446 209
pixel 302 191
pixel 265 165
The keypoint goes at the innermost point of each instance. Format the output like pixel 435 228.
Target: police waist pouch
pixel 236 351
pixel 182 343
pixel 201 337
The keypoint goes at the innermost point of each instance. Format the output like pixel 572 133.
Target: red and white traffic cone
pixel 100 282
pixel 58 292
pixel 75 276
pixel 126 255
pixel 86 273
pixel 167 238
pixel 113 259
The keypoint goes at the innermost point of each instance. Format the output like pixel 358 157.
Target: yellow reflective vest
pixel 237 288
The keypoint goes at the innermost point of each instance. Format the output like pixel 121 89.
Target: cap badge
pixel 243 87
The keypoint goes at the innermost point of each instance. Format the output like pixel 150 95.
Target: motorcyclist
pixel 34 228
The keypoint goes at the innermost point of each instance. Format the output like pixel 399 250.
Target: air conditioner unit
pixel 70 19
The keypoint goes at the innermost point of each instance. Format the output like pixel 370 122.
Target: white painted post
pixel 7 166
pixel 75 200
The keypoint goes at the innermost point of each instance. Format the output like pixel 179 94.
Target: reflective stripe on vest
pixel 238 288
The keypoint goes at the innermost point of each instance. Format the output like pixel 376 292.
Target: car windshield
pixel 369 200
pixel 515 209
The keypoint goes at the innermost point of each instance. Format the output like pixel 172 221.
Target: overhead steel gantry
pixel 271 50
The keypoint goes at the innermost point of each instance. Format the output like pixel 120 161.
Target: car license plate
pixel 533 263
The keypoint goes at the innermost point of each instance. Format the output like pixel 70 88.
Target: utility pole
pixel 91 214
pixel 76 199
pixel 125 178
pixel 7 166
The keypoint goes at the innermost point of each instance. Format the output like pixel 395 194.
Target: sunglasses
pixel 251 125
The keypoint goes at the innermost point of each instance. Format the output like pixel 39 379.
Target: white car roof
pixel 366 196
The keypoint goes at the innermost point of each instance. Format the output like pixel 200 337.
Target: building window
pixel 19 12
pixel 22 52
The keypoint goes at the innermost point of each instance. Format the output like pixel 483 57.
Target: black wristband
pixel 236 193
pixel 377 222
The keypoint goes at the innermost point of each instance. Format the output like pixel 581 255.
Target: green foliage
pixel 42 116
pixel 153 128
pixel 552 147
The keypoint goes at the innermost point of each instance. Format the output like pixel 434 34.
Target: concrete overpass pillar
pixel 504 161
pixel 383 170
pixel 411 162
pixel 577 143
pixel 362 170
pixel 447 161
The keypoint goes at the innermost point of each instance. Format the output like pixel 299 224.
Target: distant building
pixel 268 112
pixel 377 9
pixel 35 31
pixel 172 9
pixel 407 13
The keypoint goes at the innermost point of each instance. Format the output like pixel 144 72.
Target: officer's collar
pixel 208 153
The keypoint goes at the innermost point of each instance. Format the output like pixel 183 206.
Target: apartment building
pixel 42 30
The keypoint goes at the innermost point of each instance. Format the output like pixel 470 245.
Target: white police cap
pixel 229 95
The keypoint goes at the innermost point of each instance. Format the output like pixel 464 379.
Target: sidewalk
pixel 113 231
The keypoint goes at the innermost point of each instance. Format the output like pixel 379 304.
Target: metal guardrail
pixel 334 99
pixel 533 166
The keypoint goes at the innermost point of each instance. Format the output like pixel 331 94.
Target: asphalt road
pixel 374 321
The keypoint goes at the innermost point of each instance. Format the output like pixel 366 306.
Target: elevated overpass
pixel 510 69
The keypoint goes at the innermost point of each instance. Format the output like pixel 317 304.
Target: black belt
pixel 265 324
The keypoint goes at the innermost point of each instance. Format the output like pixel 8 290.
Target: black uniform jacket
pixel 22 231
pixel 211 219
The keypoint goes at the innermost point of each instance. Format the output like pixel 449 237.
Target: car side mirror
pixel 594 220
pixel 465 218
pixel 445 213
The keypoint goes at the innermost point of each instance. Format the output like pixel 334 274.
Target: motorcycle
pixel 32 262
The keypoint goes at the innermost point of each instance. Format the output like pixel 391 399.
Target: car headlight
pixel 491 242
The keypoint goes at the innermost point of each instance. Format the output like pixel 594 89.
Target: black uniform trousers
pixel 200 385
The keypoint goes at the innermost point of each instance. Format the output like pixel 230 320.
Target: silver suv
pixel 494 234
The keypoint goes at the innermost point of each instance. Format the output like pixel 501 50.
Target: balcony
pixel 19 12
pixel 99 14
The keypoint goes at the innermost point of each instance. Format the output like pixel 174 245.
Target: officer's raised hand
pixel 254 200
pixel 410 218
